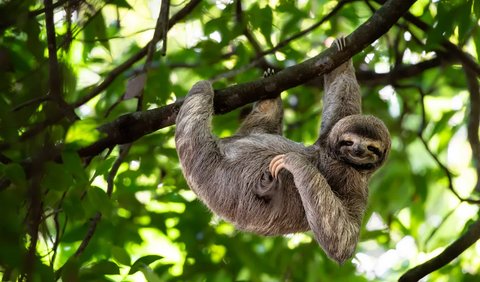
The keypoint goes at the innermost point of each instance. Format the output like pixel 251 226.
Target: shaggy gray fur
pixel 321 188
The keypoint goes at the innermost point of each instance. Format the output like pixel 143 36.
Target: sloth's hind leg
pixel 265 117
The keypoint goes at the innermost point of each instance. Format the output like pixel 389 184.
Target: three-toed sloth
pixel 265 183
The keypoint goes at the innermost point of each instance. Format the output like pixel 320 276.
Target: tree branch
pixel 443 167
pixel 449 254
pixel 55 78
pixel 132 126
pixel 474 119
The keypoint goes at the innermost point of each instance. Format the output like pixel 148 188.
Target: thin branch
pixel 307 30
pixel 36 100
pixel 113 74
pixel 58 232
pixel 400 72
pixel 437 227
pixel 445 169
pixel 474 119
pixel 132 126
pixel 44 9
pixel 91 230
pixel 35 215
pixel 98 216
pixel 55 79
pixel 447 45
pixel 161 29
pixel 449 254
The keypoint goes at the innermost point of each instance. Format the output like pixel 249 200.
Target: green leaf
pixel 149 274
pixel 464 20
pixel 70 271
pixel 83 133
pixel 445 25
pixel 104 166
pixel 120 4
pixel 74 165
pixel 95 30
pixel 99 200
pixel 98 270
pixel 121 255
pixel 56 177
pixel 14 172
pixel 476 9
pixel 262 19
pixel 143 261
pixel 105 267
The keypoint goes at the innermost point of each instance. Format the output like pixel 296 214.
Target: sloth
pixel 267 184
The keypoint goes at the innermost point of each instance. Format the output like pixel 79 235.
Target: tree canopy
pixel 90 184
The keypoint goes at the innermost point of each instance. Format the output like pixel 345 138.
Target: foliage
pixel 127 213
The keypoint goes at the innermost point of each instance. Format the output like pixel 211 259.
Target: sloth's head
pixel 361 141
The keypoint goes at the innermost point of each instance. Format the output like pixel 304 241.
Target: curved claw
pixel 276 164
pixel 340 43
pixel 268 72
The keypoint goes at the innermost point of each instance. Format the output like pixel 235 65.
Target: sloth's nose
pixel 359 149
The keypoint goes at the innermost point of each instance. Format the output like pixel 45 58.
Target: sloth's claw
pixel 268 72
pixel 276 164
pixel 340 43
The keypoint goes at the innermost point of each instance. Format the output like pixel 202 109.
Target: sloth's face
pixel 361 152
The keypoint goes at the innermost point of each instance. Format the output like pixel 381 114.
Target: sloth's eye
pixel 373 149
pixel 346 143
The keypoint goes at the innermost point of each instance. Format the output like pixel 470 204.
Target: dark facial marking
pixel 345 143
pixel 375 150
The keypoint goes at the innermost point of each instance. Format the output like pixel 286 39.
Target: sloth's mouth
pixel 363 163
pixel 361 160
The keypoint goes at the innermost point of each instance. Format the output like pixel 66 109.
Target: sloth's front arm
pixel 333 226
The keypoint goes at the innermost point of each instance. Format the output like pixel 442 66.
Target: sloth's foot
pixel 340 43
pixel 268 72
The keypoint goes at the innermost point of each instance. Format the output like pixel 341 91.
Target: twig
pixel 437 227
pixel 445 169
pixel 161 29
pixel 113 74
pixel 36 100
pixel 91 230
pixel 58 232
pixel 44 9
pixel 98 216
pixel 309 29
pixel 401 71
pixel 474 119
pixel 449 254
pixel 34 215
pixel 449 46
pixel 55 80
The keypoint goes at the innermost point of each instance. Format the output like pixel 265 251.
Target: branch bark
pixel 132 126
pixel 474 119
pixel 55 78
pixel 449 254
